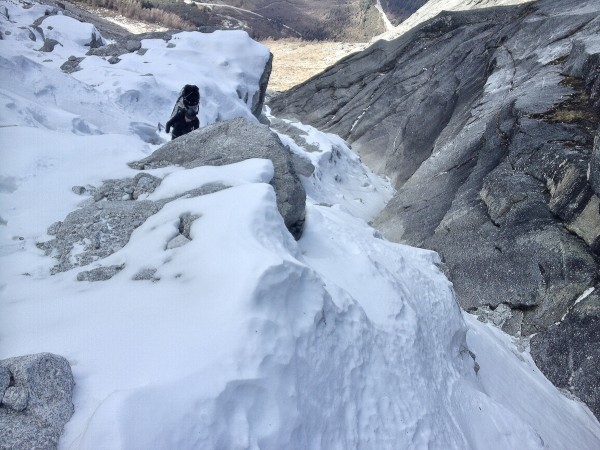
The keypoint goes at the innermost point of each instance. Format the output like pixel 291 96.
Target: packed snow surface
pixel 244 338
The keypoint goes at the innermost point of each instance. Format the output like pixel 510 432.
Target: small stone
pixel 178 241
pixel 71 65
pixel 146 274
pixel 15 398
pixel 133 45
pixel 79 190
pixel 185 224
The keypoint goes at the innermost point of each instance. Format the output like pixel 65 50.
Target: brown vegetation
pixel 295 60
pixel 136 10
pixel 576 109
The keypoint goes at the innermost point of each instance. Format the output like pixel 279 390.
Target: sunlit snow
pixel 244 337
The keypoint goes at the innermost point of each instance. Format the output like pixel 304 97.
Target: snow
pixel 244 338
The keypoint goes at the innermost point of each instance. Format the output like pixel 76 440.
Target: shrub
pixel 144 11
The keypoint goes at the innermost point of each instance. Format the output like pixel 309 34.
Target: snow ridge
pixel 244 337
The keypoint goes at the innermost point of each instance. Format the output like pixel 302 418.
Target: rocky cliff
pixel 485 121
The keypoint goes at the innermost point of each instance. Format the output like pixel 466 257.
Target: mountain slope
pixel 190 316
pixel 485 121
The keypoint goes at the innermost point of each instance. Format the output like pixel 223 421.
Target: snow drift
pixel 244 338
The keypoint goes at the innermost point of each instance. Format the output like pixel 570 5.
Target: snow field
pixel 243 338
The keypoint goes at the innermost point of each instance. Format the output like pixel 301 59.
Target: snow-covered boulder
pixel 233 141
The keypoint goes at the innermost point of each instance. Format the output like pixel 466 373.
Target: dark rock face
pixel 233 141
pixel 104 224
pixel 568 352
pixel 49 45
pixel 258 101
pixel 399 10
pixel 35 400
pixel 485 121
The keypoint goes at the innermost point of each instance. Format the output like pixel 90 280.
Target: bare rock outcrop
pixel 35 401
pixel 233 141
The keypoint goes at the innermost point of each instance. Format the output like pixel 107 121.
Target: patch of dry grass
pixel 134 11
pixel 295 61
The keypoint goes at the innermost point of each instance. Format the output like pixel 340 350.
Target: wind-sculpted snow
pixel 41 97
pixel 213 327
pixel 227 66
pixel 228 80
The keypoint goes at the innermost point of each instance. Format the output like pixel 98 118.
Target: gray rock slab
pixel 146 274
pixel 127 189
pixel 100 273
pixel 234 141
pixel 49 45
pixel 37 403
